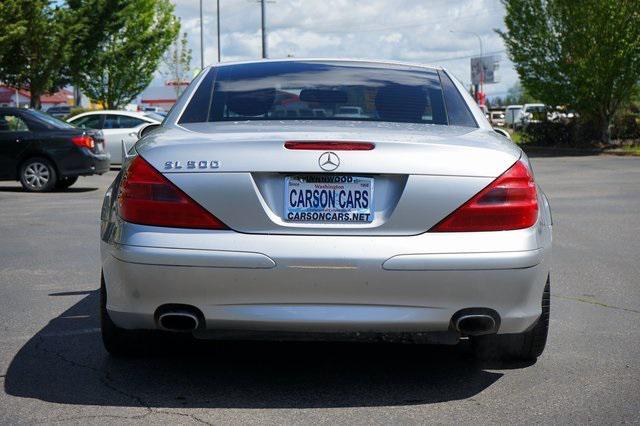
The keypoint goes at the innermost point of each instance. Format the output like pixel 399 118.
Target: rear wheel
pixel 523 346
pixel 66 182
pixel 118 341
pixel 38 175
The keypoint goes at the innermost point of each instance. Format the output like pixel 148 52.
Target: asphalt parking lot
pixel 53 367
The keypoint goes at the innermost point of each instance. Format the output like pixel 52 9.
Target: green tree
pixel 120 63
pixel 177 61
pixel 34 46
pixel 95 18
pixel 517 95
pixel 585 55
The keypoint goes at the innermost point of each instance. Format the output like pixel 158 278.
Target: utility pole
pixel 263 10
pixel 263 6
pixel 218 27
pixel 201 39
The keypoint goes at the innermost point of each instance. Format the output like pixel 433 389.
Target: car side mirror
pixel 146 128
pixel 503 132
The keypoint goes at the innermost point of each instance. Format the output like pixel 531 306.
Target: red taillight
pixel 509 202
pixel 329 146
pixel 148 198
pixel 83 141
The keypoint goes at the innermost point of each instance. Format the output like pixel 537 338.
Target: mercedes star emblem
pixel 329 161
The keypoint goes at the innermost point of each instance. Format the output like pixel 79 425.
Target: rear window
pixel 51 122
pixel 315 90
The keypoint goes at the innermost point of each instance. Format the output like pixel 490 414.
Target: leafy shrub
pixel 547 133
pixel 77 110
pixel 581 133
pixel 626 126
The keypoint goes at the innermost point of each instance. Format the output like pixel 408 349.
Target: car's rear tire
pixel 66 182
pixel 525 346
pixel 118 341
pixel 38 174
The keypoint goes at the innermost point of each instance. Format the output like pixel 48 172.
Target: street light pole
pixel 264 30
pixel 201 39
pixel 218 27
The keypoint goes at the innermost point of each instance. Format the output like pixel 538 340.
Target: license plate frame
pixel 334 202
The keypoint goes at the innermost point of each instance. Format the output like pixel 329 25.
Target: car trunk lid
pixel 242 172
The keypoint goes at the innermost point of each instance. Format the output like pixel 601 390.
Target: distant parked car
pixel 116 127
pixel 512 114
pixel 44 153
pixel 532 113
pixel 497 118
pixel 59 111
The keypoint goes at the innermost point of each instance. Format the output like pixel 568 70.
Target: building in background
pixel 12 97
pixel 162 98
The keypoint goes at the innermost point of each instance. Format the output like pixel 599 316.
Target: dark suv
pixel 44 153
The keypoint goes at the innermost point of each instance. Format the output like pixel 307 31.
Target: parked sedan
pixel 44 153
pixel 117 126
pixel 415 221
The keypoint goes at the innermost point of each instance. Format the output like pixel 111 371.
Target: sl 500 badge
pixel 192 165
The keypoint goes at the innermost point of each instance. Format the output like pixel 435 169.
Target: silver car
pixel 118 127
pixel 417 221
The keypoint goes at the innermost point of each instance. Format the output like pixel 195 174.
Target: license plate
pixel 328 198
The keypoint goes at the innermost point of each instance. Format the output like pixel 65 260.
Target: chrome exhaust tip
pixel 178 321
pixel 475 324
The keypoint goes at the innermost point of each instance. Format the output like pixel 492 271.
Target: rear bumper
pixel 323 284
pixel 85 163
pixel 101 163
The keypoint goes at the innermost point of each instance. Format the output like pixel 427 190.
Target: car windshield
pixel 51 122
pixel 313 90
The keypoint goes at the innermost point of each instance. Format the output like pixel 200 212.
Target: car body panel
pixel 400 148
pixel 412 165
pixel 317 275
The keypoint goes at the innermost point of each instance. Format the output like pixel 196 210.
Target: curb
pixel 560 151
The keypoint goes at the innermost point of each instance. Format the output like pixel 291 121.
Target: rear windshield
pixel 51 122
pixel 311 90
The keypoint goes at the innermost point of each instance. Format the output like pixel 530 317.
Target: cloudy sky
pixel 437 32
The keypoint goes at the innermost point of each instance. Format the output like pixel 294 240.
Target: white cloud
pixel 390 38
pixel 406 30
